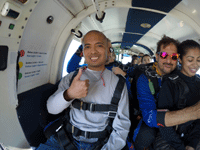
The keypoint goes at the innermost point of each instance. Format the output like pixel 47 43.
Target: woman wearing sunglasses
pixel 173 97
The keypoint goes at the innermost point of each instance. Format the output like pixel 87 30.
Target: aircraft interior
pixel 35 39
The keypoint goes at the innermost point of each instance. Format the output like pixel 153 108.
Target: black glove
pixel 79 51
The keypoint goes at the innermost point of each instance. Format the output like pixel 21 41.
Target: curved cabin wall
pixel 11 31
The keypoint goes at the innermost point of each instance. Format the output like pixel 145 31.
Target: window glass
pixel 72 49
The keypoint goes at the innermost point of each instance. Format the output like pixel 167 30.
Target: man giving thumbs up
pixel 97 99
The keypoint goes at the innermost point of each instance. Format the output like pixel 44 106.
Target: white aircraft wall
pixel 10 130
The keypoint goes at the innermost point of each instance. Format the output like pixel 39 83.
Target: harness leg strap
pixel 64 140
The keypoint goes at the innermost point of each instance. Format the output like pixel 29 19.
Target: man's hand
pixel 78 88
pixel 117 70
pixel 189 148
pixel 196 109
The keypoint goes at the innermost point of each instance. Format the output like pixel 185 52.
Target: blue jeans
pixel 53 144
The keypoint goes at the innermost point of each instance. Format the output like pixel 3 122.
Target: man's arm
pixel 121 125
pixel 146 101
pixel 173 118
pixel 65 94
pixel 155 119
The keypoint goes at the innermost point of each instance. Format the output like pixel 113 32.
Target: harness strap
pixel 183 90
pixel 77 132
pixel 78 104
pixel 66 129
pixel 118 90
pixel 64 140
pixel 182 93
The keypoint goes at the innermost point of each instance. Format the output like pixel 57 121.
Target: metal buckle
pixel 72 129
pixel 86 134
pixel 81 105
pixel 91 106
pixel 110 112
pixel 59 127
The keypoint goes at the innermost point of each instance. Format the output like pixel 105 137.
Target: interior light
pixel 145 25
pixel 11 26
pixel 194 11
pixel 181 24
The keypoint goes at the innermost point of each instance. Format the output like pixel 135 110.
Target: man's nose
pixel 168 59
pixel 93 49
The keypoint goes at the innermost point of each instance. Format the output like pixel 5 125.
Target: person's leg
pixel 51 144
pixel 145 137
pixel 87 146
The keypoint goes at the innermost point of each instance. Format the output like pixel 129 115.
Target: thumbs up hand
pixel 78 88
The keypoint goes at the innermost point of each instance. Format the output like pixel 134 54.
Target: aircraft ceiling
pixel 123 25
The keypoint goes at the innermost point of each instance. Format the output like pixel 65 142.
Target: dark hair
pixel 185 46
pixel 133 58
pixel 165 41
pixel 145 56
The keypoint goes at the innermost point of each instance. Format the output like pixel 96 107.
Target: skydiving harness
pixel 185 128
pixel 65 131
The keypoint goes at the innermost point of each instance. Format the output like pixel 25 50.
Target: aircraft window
pixel 125 59
pixel 72 49
pixel 198 72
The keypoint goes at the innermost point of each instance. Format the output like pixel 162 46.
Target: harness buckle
pixel 59 127
pixel 81 105
pixel 72 129
pixel 112 114
pixel 86 134
pixel 91 107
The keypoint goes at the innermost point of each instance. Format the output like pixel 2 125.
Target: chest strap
pixel 77 132
pixel 66 129
pixel 110 108
pixel 78 104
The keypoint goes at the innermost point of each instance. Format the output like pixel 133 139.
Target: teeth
pixel 94 58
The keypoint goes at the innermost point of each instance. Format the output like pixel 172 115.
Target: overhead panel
pixel 139 22
pixel 162 5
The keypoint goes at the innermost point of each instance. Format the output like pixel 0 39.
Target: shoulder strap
pixel 183 90
pixel 75 73
pixel 112 110
pixel 118 90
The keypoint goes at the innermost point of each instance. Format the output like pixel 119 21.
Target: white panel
pixel 10 130
pixel 38 43
pixel 112 25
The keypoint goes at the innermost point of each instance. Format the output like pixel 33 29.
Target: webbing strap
pixel 93 107
pixel 118 90
pixel 77 132
pixel 182 94
pixel 64 140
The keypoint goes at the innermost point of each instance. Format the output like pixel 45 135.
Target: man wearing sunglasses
pixel 147 94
